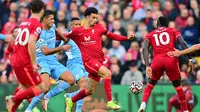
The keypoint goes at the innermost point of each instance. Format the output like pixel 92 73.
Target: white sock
pixel 186 111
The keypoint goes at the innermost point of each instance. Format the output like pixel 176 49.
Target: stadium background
pixel 124 59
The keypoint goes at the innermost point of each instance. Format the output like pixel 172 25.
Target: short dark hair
pixel 75 18
pixel 36 6
pixel 47 13
pixel 90 10
pixel 162 21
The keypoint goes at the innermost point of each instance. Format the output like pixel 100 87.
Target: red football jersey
pixel 163 40
pixel 20 56
pixel 89 41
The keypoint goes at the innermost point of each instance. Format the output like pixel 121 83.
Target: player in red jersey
pixel 190 99
pixel 162 40
pixel 23 58
pixel 88 39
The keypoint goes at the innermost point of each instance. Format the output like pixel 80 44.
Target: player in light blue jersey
pixel 75 65
pixel 47 60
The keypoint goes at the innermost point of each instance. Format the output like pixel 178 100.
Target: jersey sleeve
pixel 147 37
pixel 36 29
pixel 8 51
pixel 101 29
pixel 71 34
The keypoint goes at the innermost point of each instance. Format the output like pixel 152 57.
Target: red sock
pixel 16 90
pixel 26 94
pixel 82 94
pixel 182 98
pixel 108 88
pixel 15 106
pixel 147 92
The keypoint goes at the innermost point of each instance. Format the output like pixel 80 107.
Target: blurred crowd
pixel 122 17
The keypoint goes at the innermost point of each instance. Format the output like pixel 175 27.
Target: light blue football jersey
pixel 74 54
pixel 47 38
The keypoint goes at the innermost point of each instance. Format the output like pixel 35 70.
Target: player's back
pixel 163 40
pixel 20 56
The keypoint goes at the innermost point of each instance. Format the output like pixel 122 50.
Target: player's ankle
pixel 186 111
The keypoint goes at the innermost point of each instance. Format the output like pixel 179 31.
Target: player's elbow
pixel 144 50
pixel 45 51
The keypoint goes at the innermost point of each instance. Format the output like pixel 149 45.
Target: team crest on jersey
pixel 87 38
pixel 93 31
pixel 41 40
pixel 38 30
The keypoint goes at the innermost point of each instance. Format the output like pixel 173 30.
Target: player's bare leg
pixel 146 94
pixel 105 73
pixel 90 87
pixel 46 79
pixel 25 93
pixel 68 79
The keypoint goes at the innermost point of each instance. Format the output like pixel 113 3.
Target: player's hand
pixel 132 36
pixel 35 67
pixel 190 63
pixel 66 47
pixel 175 53
pixel 9 38
pixel 149 71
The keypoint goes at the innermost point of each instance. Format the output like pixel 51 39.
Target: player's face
pixel 75 23
pixel 92 19
pixel 49 20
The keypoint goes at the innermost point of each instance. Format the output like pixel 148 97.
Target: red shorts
pixel 168 64
pixel 26 76
pixel 92 66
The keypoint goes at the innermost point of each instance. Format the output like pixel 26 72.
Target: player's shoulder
pixel 151 33
pixel 172 30
pixel 77 29
pixel 34 21
pixel 99 25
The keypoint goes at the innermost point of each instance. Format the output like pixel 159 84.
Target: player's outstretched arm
pixel 49 51
pixel 118 37
pixel 183 44
pixel 145 52
pixel 6 38
pixel 60 36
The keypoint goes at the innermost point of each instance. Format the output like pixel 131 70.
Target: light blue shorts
pixel 53 68
pixel 77 70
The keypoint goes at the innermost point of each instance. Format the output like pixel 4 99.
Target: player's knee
pixel 108 74
pixel 176 83
pixel 71 81
pixel 82 83
pixel 152 82
pixel 90 91
pixel 46 89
